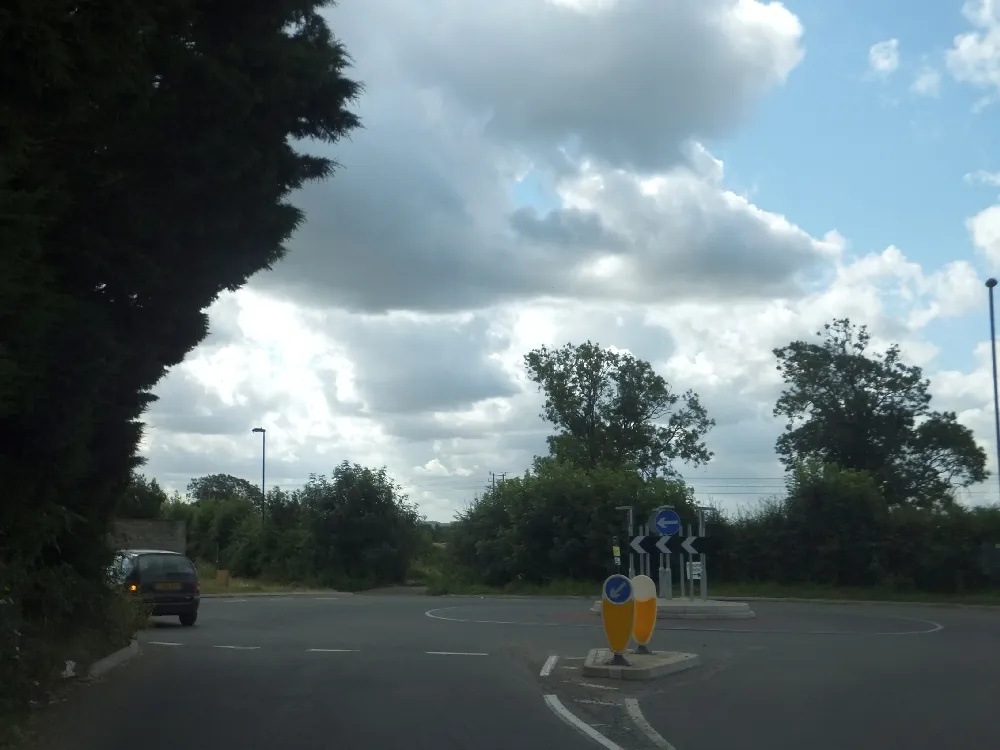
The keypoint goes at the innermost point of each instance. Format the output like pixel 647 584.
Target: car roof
pixel 132 552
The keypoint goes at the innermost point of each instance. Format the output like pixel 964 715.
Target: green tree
pixel 223 487
pixel 610 408
pixel 557 521
pixel 143 498
pixel 869 411
pixel 147 157
pixel 361 526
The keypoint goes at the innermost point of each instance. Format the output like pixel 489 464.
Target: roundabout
pixel 772 618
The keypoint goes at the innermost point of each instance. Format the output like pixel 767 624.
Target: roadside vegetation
pixel 133 193
pixel 869 510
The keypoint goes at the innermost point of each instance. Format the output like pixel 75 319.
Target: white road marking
pixel 239 648
pixel 333 650
pixel 434 614
pixel 556 706
pixel 455 653
pixel 325 598
pixel 164 643
pixel 565 667
pixel 574 658
pixel 595 703
pixel 635 714
pixel 548 666
pixel 592 685
pixel 230 601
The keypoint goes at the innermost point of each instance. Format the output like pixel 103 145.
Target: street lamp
pixel 990 284
pixel 263 454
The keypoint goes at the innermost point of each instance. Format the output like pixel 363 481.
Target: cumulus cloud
pixel 974 56
pixel 394 333
pixel 927 83
pixel 883 58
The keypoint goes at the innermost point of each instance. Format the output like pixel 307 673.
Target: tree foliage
pixel 147 156
pixel 557 521
pixel 354 529
pixel 869 411
pixel 143 498
pixel 611 409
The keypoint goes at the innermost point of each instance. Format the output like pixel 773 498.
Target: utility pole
pixel 493 479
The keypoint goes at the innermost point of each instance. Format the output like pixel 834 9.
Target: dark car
pixel 166 581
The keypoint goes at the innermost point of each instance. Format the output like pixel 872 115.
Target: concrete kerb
pixel 641 666
pixel 686 609
pixel 102 666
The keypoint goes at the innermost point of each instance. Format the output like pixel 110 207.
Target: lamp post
pixel 990 284
pixel 263 455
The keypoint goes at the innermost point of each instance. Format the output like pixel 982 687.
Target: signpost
pixel 647 545
pixel 644 594
pixel 618 615
pixel 665 521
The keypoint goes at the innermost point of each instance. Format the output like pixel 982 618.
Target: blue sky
pixel 834 149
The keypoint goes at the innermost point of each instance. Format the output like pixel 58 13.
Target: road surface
pixel 415 672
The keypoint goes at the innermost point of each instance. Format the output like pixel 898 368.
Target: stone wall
pixel 151 534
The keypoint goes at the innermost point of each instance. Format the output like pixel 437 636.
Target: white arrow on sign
pixel 661 544
pixel 636 544
pixel 687 545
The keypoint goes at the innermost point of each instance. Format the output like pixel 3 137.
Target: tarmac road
pixel 417 672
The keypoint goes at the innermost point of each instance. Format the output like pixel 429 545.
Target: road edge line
pixel 556 706
pixel 635 714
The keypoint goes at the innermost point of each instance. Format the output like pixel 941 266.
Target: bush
pixel 49 617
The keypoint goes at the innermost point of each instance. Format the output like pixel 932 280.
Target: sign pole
pixel 691 569
pixel 682 572
pixel 631 530
pixel 644 559
pixel 704 574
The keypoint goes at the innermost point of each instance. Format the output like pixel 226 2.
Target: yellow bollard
pixel 617 615
pixel 644 594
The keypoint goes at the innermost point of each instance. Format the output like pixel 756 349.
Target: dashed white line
pixel 333 650
pixel 596 703
pixel 548 666
pixel 635 714
pixel 325 598
pixel 455 653
pixel 591 685
pixel 164 643
pixel 239 648
pixel 556 706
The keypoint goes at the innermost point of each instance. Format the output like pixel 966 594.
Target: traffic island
pixel 697 609
pixel 639 667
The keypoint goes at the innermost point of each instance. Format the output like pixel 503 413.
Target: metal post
pixel 683 569
pixel 990 283
pixel 628 539
pixel 263 463
pixel 704 574
pixel 691 564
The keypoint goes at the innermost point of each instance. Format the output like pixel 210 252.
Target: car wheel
pixel 188 620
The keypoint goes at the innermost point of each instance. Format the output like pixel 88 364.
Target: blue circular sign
pixel 667 522
pixel 618 589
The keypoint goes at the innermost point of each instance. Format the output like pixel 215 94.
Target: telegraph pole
pixel 493 479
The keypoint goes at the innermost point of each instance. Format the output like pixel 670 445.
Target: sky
pixel 696 182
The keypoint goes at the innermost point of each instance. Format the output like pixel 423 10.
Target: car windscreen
pixel 165 566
